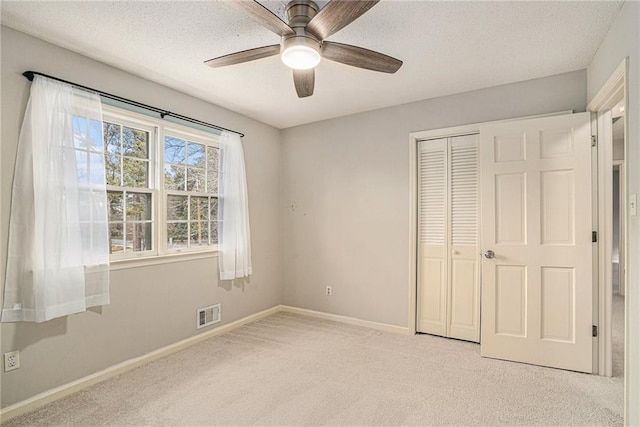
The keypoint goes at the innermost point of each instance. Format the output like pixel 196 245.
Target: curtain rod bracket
pixel 163 113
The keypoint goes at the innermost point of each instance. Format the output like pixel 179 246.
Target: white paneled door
pixel 536 218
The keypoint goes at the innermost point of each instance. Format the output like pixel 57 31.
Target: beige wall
pixel 623 40
pixel 153 306
pixel 345 194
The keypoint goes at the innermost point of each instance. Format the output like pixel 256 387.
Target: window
pixel 162 185
pixel 87 151
pixel 129 194
pixel 191 186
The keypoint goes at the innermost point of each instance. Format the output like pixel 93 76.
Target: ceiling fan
pixel 303 42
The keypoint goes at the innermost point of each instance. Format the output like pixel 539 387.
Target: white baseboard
pixel 49 396
pixel 345 319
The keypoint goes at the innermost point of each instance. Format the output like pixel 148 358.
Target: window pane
pixel 174 177
pixel 80 139
pixel 98 232
pixel 116 238
pixel 199 233
pixel 177 207
pixel 116 208
pixel 112 169
pixel 138 206
pixel 99 207
pixel 214 232
pixel 135 143
pixel 84 205
pixel 82 167
pixel 195 179
pixel 95 135
pixel 135 173
pixel 214 208
pixel 196 155
pixel 199 209
pixel 91 205
pixel 127 140
pixel 96 166
pixel 112 137
pixel 177 235
pixel 174 150
pixel 212 169
pixel 138 237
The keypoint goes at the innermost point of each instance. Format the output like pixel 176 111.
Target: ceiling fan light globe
pixel 300 57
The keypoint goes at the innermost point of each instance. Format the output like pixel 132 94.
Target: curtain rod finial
pixel 29 75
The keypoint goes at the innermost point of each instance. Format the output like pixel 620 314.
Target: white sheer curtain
pixel 58 254
pixel 234 238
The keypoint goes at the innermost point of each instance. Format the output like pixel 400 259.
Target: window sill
pixel 123 264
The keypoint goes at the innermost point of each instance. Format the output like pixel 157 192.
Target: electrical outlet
pixel 329 290
pixel 11 361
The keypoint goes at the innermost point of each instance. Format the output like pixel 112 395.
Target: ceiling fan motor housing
pixel 300 12
pixel 302 49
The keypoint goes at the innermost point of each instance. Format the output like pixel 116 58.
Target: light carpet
pixel 294 370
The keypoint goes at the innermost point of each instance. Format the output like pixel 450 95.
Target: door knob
pixel 489 254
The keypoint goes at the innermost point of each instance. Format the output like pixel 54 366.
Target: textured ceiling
pixel 447 47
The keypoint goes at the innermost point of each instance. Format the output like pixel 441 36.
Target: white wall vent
pixel 208 316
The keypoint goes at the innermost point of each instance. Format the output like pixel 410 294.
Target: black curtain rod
pixel 163 113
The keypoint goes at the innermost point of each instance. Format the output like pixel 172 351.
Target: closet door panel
pixel 465 296
pixel 433 268
pixel 464 301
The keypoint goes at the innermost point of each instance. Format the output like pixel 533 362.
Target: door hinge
pixel 594 140
pixel 594 236
pixel 594 331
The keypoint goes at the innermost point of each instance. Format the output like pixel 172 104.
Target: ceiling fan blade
pixel 244 56
pixel 360 57
pixel 336 15
pixel 304 80
pixel 264 16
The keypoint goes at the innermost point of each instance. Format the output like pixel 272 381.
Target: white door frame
pixel 612 92
pixel 414 138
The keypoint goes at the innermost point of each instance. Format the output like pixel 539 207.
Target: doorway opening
pixel 618 267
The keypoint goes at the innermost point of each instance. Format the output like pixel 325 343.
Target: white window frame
pixel 158 128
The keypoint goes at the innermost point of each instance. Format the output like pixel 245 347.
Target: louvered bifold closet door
pixel 432 241
pixel 464 277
